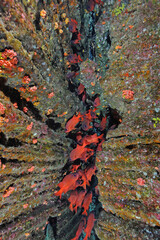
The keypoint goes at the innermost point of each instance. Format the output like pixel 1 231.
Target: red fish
pixel 86 202
pixel 90 5
pixel 103 123
pixel 80 228
pixel 80 89
pixel 78 137
pixel 87 154
pixel 97 190
pixel 79 58
pixel 99 148
pixel 97 102
pixel 75 167
pixel 72 25
pixel 93 113
pixel 72 199
pixel 86 125
pixel 83 178
pixel 72 123
pixel 74 58
pixel 78 151
pixel 92 138
pixel 84 97
pixel 78 38
pixel 79 199
pixel 90 225
pixel 89 172
pixel 69 182
pixel 71 75
pixel 90 114
pixel 99 2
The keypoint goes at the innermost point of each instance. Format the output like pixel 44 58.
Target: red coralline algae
pixel 29 127
pixel 8 53
pixel 8 192
pixel 2 108
pixel 8 60
pixel 50 95
pixel 128 94
pixel 26 79
pixel 32 89
pixel 140 181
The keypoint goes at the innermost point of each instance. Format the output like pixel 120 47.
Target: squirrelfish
pixel 79 200
pixel 97 102
pixel 72 199
pixel 99 148
pixel 78 151
pixel 72 25
pixel 103 123
pixel 89 172
pixel 86 202
pixel 80 89
pixel 86 124
pixel 72 123
pixel 92 138
pixel 80 228
pixel 87 154
pixel 69 182
pixel 90 225
pixel 74 58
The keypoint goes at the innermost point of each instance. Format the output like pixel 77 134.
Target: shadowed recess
pixel 15 96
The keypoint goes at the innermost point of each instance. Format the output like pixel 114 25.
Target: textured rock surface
pixel 131 152
pixel 32 160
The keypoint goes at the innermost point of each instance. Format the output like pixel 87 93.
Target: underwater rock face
pixel 129 164
pixel 35 104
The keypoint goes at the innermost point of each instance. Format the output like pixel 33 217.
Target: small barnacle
pixel 43 13
pixel 67 20
pixel 60 31
pixel 56 25
pixel 63 15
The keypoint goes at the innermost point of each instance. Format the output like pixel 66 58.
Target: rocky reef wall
pixel 121 37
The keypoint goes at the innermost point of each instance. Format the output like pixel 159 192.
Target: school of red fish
pixel 78 180
pixel 87 143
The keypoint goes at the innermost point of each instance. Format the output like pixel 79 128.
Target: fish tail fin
pixel 84 212
pixel 101 136
pixel 58 194
pixel 71 207
pixel 84 185
pixel 86 237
